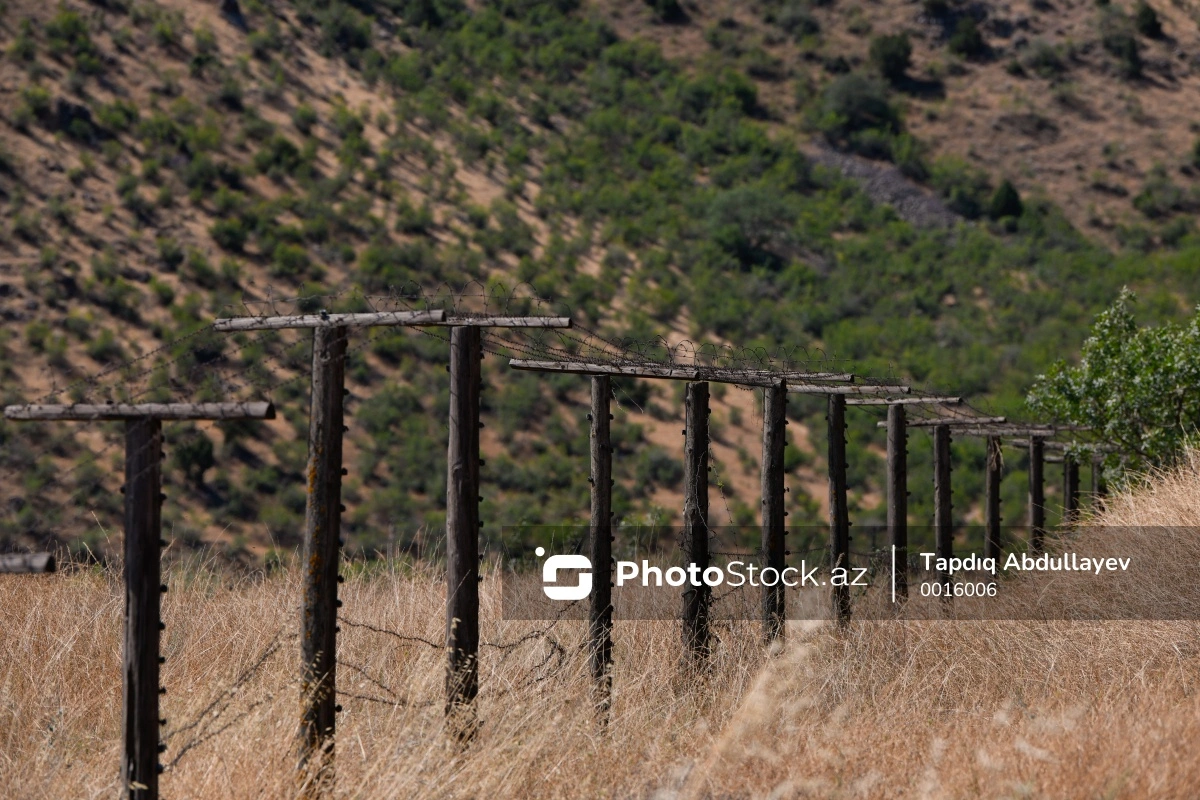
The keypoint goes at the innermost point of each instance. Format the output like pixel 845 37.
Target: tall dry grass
pixel 883 709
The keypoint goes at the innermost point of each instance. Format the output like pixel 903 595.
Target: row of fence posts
pixel 322 543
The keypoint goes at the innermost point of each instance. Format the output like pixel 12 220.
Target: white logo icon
pixel 550 575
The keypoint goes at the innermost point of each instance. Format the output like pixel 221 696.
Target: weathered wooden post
pixel 994 465
pixel 943 523
pixel 695 520
pixel 1070 489
pixel 462 529
pixel 143 565
pixel 897 492
pixel 140 719
pixel 774 599
pixel 600 615
pixel 322 554
pixel 1037 498
pixel 839 515
pixel 1099 487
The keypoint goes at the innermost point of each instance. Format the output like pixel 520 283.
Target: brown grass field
pixel 884 709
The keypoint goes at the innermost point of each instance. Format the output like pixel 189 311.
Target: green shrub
pixel 853 103
pixel 1005 202
pixel 201 271
pixel 667 10
pixel 67 34
pixel 1117 37
pixel 24 46
pixel 965 188
pixel 797 20
pixel 967 40
pixel 118 116
pixel 36 99
pixel 277 158
pixel 1044 60
pixel 304 117
pixel 230 234
pixel 169 253
pixel 344 32
pixel 192 454
pixel 891 55
pixel 1160 196
pixel 290 261
pixel 1146 21
pixel 105 347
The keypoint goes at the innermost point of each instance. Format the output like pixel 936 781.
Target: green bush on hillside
pixel 891 55
pixel 854 103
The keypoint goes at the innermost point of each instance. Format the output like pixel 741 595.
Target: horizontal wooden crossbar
pixel 376 319
pixel 108 411
pixel 363 320
pixel 27 563
pixel 581 368
pixel 817 388
pixel 1097 447
pixel 903 401
pixel 713 374
pixel 1014 429
pixel 507 322
pixel 953 422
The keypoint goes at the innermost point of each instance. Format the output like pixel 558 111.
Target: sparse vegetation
pixel 892 56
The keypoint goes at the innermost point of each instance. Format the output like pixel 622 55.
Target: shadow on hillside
pixel 921 88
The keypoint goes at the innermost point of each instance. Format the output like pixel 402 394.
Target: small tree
pixel 1146 20
pixel 1006 202
pixel 892 56
pixel 967 40
pixel 1135 387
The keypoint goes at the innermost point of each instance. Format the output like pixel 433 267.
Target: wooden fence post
pixel 462 530
pixel 1070 489
pixel 991 536
pixel 143 624
pixel 695 519
pixel 600 614
pixel 140 688
pixel 839 516
pixel 774 599
pixel 1037 497
pixel 321 551
pixel 897 491
pixel 943 524
pixel 1099 487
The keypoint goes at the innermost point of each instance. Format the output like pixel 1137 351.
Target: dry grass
pixel 914 709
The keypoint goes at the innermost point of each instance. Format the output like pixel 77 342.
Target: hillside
pixel 655 171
